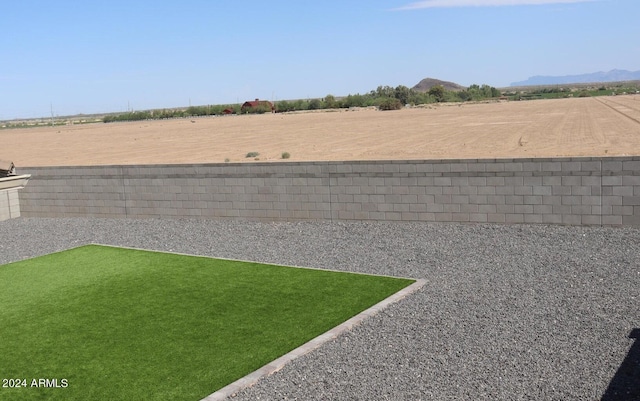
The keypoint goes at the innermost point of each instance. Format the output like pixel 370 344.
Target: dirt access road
pixel 602 126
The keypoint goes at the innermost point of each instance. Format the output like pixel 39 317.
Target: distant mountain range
pixel 610 76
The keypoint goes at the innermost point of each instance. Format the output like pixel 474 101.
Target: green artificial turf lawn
pixel 120 324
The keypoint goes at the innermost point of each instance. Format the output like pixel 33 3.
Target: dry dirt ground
pixel 543 128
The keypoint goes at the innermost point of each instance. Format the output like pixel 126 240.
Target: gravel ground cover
pixel 521 312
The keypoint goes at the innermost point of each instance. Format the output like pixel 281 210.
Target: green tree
pixel 383 91
pixel 438 92
pixel 402 93
pixel 330 102
pixel 314 104
pixel 284 106
pixel 356 100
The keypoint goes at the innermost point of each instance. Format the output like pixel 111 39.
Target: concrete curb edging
pixel 277 364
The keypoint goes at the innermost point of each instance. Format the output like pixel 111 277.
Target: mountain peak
pixel 428 83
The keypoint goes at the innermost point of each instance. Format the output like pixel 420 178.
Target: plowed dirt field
pixel 602 126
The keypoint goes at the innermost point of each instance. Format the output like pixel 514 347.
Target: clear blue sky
pixel 104 56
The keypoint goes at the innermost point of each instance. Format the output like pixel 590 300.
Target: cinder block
pixel 571 180
pixel 451 208
pixel 460 217
pixel 505 209
pixel 478 199
pixel 460 199
pixel 623 210
pixel 551 166
pixel 523 209
pixel 631 165
pixel 426 217
pixel 542 209
pixel 611 180
pixel 569 167
pixel 442 168
pixel 477 181
pixel 514 181
pixel 591 200
pixel 561 209
pixel 552 219
pixel 581 190
pixel 468 190
pixel 532 200
pixel 451 190
pixel 460 181
pixel 496 199
pixel 533 219
pixel 542 190
pixel 401 207
pixel 425 199
pixel 380 216
pixel 514 200
pixel 552 180
pixel 487 209
pixel 571 219
pixel 390 168
pixel 424 168
pixel 476 166
pixel 591 220
pixel 571 200
pixel 631 200
pixel 485 190
pixel 532 181
pixel 591 166
pixel 581 209
pixel 514 218
pixel 478 217
pixel 442 181
pixel 409 216
pixel 513 166
pixel 613 166
pixel 399 190
pixel 591 181
pixel 631 180
pixel 442 199
pixel 496 181
pixel 494 167
pixel 496 218
pixel 407 167
pixel 611 220
pixel 466 208
pixel 623 191
pixel 505 190
pixel 523 190
pixel 393 216
pixel 443 217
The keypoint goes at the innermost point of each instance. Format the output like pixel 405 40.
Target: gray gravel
pixel 508 312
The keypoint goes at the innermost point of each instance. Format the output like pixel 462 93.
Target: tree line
pixel 383 97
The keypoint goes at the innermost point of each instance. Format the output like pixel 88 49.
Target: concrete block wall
pixel 573 191
pixel 9 204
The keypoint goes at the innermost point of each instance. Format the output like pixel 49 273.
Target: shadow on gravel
pixel 625 385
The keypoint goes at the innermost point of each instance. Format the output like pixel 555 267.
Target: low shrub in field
pixel 390 104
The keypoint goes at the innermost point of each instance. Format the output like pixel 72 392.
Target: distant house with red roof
pixel 258 106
